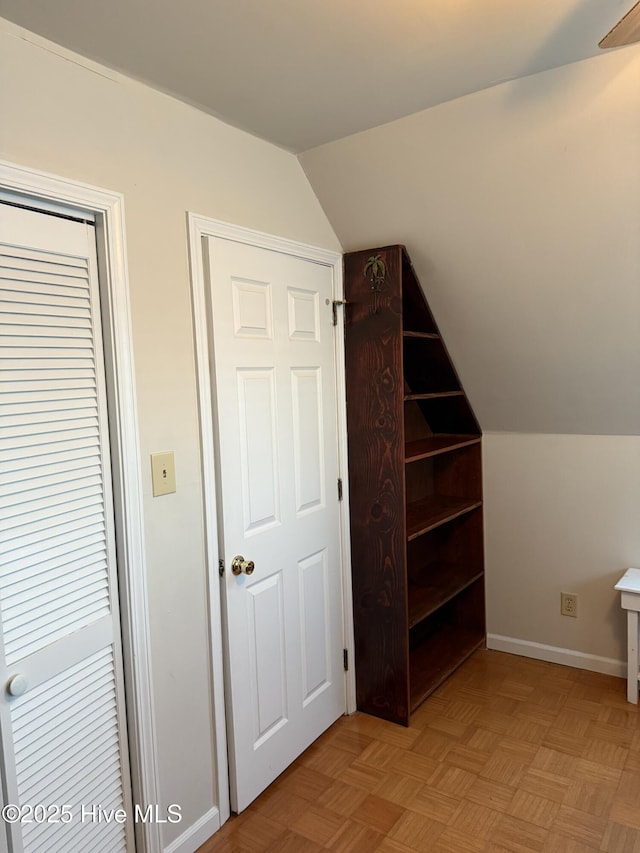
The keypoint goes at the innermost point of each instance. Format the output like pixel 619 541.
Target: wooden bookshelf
pixel 415 491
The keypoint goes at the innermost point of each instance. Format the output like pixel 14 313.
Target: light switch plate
pixel 163 473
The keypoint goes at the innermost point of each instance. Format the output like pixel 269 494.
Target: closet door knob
pixel 17 685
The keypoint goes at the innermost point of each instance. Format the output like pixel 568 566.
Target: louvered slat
pixel 30 258
pixel 43 387
pixel 80 332
pixel 83 734
pixel 22 291
pixel 39 486
pixel 29 449
pixel 65 415
pixel 52 743
pixel 55 506
pixel 74 460
pixel 79 548
pixel 93 670
pixel 64 750
pixel 67 592
pixel 40 408
pixel 64 576
pixel 68 378
pixel 56 536
pixel 45 324
pixel 38 498
pixel 49 630
pixel 43 527
pixel 42 279
pixel 35 289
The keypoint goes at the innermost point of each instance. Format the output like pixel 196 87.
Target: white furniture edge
pixel 629 587
pixel 109 207
pixel 555 654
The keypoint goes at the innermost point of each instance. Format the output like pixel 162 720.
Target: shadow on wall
pixel 586 19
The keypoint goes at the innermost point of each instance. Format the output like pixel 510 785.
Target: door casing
pixel 108 208
pixel 200 227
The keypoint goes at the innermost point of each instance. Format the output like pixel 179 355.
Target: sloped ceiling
pixel 518 201
pixel 519 206
pixel 304 72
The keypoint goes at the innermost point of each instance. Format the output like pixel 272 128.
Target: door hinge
pixel 221 567
pixel 334 305
pixel 339 488
pixel 345 659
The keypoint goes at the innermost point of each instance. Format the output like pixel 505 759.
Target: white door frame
pixel 200 227
pixel 108 208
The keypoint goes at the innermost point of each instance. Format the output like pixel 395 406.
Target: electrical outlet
pixel 569 604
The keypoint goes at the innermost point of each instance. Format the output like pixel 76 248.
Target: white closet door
pixel 275 383
pixel 64 737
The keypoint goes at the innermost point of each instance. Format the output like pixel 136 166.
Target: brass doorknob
pixel 240 565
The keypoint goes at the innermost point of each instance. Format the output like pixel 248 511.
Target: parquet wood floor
pixel 510 754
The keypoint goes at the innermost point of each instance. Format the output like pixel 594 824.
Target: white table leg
pixel 632 656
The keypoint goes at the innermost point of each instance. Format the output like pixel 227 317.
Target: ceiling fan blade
pixel 626 31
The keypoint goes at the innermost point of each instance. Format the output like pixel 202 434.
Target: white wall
pixel 62 114
pixel 561 514
pixel 520 208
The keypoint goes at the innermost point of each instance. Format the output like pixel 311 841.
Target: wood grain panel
pixel 376 464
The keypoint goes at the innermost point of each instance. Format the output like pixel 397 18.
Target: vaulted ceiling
pixel 304 72
pixel 492 137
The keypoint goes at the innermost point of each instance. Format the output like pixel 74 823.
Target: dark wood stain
pixel 405 485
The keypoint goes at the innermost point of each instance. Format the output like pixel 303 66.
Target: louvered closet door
pixel 64 738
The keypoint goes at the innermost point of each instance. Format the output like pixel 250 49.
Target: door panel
pixel 258 448
pixel 314 619
pixel 64 739
pixel 265 603
pixel 273 354
pixel 308 451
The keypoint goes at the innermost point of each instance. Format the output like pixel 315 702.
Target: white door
pixel 61 702
pixel 278 468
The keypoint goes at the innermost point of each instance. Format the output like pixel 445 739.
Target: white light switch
pixel 163 473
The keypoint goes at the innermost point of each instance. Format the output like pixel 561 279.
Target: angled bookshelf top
pixel 422 338
pixel 417 316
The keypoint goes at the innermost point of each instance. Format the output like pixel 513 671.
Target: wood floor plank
pixel 475 820
pixel 378 813
pixel 591 797
pixel 519 836
pixel 580 826
pixel 550 786
pixel 454 841
pixel 620 839
pixel 557 843
pixel 355 838
pixel 537 810
pixel 319 824
pixel 409 763
pixel 398 788
pixel 433 804
pixel 511 755
pixel 417 831
pixel 493 795
pixel 342 798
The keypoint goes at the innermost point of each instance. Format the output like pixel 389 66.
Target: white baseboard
pixel 196 834
pixel 554 654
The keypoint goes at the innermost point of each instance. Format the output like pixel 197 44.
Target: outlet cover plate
pixel 569 604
